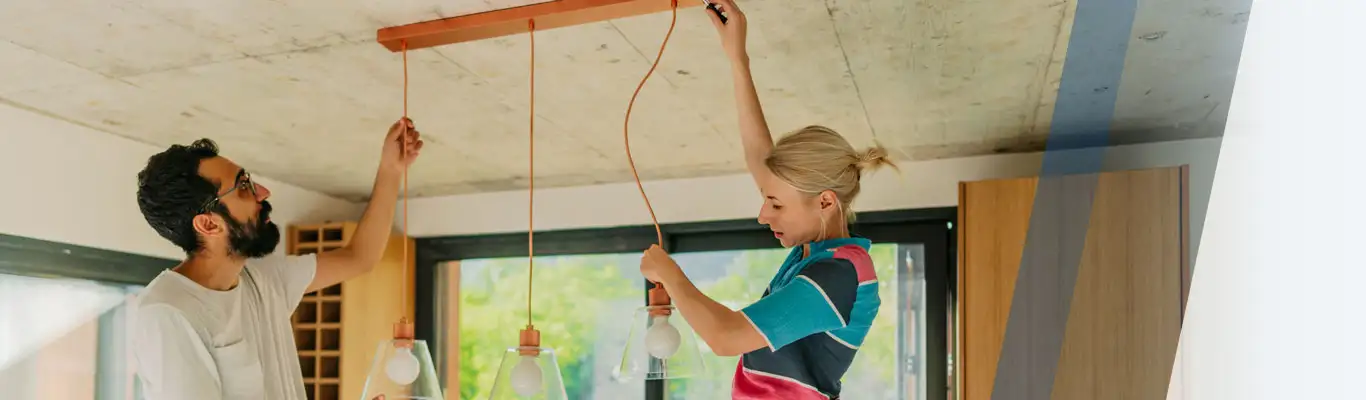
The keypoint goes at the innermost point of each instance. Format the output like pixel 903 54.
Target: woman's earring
pixel 822 219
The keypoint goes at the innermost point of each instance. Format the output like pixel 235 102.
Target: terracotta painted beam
pixel 513 21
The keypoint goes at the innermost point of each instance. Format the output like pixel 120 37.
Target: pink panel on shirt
pixel 863 263
pixel 754 386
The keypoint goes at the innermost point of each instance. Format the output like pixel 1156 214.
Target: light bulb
pixel 662 339
pixel 402 366
pixel 526 376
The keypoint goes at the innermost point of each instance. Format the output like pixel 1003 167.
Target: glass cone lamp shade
pixel 529 371
pixel 661 344
pixel 402 369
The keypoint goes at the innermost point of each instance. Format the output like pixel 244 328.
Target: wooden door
pixel 1122 322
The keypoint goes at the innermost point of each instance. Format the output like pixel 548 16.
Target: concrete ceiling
pixel 298 90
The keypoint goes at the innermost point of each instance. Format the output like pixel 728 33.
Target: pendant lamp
pixel 529 371
pixel 402 369
pixel 402 366
pixel 661 344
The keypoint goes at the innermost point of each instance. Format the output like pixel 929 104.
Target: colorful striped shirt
pixel 814 316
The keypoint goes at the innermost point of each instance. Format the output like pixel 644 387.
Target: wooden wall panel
pixel 995 219
pixel 1125 317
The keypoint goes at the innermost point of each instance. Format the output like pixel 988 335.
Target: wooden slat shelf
pixel 318 319
pixel 320 353
pixel 325 244
pixel 332 325
pixel 337 328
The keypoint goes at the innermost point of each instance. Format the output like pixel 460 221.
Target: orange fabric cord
pixel 403 149
pixel 531 176
pixel 626 128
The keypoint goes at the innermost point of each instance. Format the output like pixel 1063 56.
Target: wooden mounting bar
pixel 511 21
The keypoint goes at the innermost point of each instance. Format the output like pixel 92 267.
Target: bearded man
pixel 217 325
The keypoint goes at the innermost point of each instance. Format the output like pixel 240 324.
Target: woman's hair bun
pixel 874 158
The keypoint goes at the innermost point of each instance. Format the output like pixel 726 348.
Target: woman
pixel 799 339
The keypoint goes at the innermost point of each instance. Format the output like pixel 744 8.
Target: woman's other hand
pixel 657 266
pixel 732 31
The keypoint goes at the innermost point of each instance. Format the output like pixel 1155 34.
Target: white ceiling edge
pixel 922 184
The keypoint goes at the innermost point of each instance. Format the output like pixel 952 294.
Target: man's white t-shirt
pixel 191 342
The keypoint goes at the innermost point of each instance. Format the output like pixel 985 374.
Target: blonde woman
pixel 799 339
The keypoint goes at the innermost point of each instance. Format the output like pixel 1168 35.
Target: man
pixel 217 326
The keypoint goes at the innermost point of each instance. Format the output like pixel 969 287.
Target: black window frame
pixel 931 227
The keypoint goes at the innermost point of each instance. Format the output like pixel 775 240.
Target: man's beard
pixel 256 240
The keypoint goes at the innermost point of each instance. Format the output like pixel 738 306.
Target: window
pixel 64 339
pixel 588 286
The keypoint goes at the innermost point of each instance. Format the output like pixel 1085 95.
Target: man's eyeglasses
pixel 244 182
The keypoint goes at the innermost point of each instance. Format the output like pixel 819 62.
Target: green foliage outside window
pixel 583 305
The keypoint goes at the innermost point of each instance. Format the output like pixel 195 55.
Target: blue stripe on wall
pixel 1062 205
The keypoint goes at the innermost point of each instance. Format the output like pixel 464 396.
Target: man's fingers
pixel 402 122
pixel 396 130
pixel 400 126
pixel 413 139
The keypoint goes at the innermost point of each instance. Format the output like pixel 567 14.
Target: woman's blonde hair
pixel 815 159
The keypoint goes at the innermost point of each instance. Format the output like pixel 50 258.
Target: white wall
pixel 1276 302
pixel 68 183
pixel 921 184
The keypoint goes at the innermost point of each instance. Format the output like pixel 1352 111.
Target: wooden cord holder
pixel 659 300
pixel 530 343
pixel 511 21
pixel 403 333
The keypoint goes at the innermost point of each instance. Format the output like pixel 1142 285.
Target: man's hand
pixel 401 146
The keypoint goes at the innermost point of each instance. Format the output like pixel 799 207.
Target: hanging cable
pixel 531 177
pixel 626 128
pixel 402 154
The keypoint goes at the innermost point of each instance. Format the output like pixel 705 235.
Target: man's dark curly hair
pixel 171 192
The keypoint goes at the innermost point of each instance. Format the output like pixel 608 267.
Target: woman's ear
pixel 828 199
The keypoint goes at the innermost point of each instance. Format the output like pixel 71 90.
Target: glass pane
pixel 913 337
pixel 63 339
pixel 582 304
pixel 581 307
